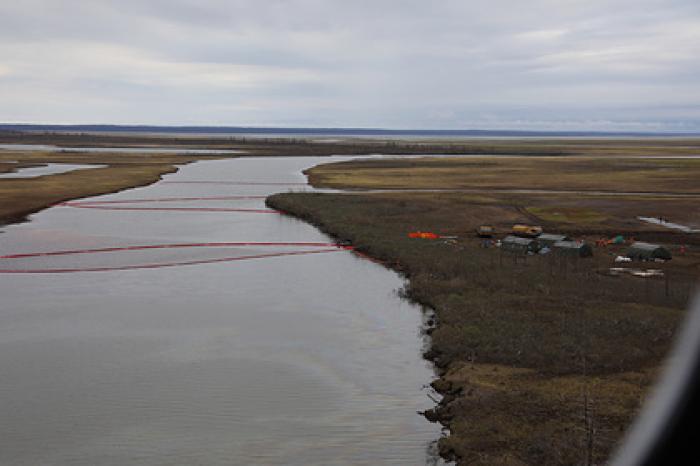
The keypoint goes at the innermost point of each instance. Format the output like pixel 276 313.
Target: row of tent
pixel 562 244
pixel 648 252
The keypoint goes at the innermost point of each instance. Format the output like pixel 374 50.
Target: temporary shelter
pixel 517 245
pixel 573 248
pixel 647 252
pixel 548 239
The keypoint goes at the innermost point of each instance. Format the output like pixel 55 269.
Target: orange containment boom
pixel 423 235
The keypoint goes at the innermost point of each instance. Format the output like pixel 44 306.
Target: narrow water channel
pixel 277 359
pixel 47 169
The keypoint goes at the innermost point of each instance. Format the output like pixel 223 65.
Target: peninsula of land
pixel 544 358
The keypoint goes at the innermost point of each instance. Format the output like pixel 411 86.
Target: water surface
pixel 308 359
pixel 48 169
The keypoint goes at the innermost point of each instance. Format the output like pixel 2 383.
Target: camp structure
pixel 485 231
pixel 572 248
pixel 647 252
pixel 548 239
pixel 517 245
pixel 527 231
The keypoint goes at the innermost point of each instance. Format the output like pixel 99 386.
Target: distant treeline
pixel 279 146
pixel 355 132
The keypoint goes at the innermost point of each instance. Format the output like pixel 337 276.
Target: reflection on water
pixel 301 359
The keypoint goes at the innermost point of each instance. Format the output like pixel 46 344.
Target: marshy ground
pixel 542 360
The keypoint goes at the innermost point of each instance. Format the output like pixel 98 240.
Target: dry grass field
pixel 662 175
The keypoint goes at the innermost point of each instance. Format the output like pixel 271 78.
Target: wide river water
pixel 294 359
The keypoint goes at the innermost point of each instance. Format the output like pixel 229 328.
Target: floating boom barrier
pixel 316 248
pixel 127 204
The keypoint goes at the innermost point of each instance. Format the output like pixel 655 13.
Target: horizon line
pixel 325 129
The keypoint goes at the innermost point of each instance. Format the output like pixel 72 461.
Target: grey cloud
pixel 451 64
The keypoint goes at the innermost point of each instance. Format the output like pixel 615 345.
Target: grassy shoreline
pixel 540 361
pixel 22 197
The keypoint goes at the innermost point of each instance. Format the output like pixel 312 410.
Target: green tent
pixel 548 239
pixel 647 252
pixel 517 245
pixel 573 248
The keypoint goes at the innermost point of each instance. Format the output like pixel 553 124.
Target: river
pixel 304 358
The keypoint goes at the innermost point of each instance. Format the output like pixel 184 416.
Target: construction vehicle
pixel 527 231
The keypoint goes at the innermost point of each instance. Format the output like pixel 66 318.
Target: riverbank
pixel 539 361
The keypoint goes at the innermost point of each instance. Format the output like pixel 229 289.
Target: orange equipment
pixel 528 231
pixel 423 235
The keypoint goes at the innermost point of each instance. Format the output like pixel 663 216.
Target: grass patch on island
pixel 567 214
pixel 524 173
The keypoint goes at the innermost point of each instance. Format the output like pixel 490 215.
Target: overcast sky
pixel 535 64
